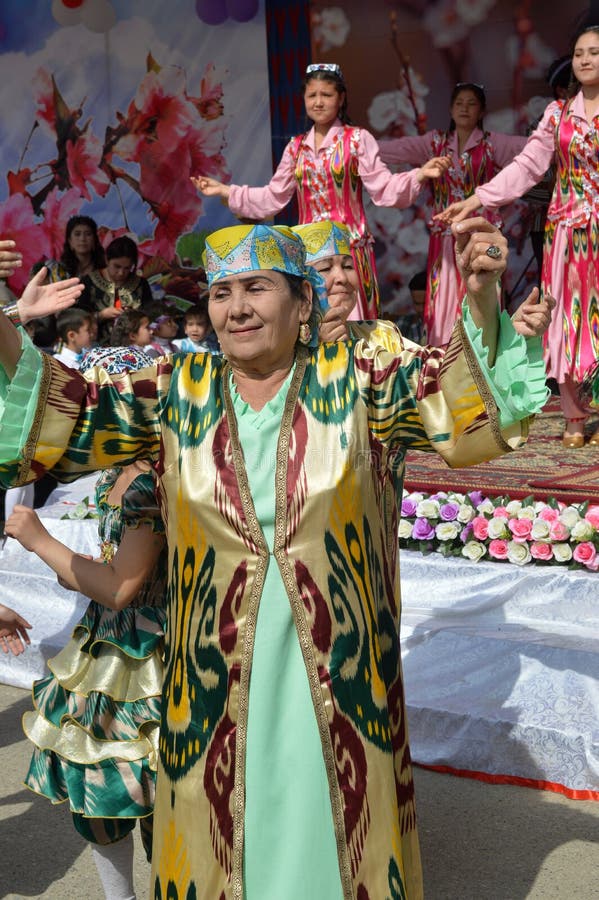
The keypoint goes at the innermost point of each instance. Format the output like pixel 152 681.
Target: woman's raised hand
pixel 39 299
pixel 10 258
pixel 333 326
pixel 457 212
pixel 434 167
pixel 533 317
pixel 481 254
pixel 210 187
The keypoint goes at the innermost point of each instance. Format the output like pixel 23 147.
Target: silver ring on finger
pixel 493 252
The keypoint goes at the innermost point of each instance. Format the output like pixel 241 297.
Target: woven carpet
pixel 542 468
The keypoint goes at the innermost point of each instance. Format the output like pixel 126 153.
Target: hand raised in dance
pixel 39 299
pixel 457 212
pixel 210 187
pixel 334 325
pixel 10 258
pixel 434 167
pixel 533 316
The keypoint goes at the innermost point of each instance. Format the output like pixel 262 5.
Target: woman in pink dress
pixel 476 156
pixel 326 168
pixel 568 135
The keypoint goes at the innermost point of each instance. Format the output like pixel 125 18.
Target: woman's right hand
pixel 457 212
pixel 25 525
pixel 210 187
pixel 333 326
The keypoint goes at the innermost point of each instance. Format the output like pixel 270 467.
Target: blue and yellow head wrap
pixel 250 248
pixel 324 239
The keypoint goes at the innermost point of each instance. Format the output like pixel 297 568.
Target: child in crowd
pixel 164 330
pixel 199 334
pixel 74 328
pixel 131 329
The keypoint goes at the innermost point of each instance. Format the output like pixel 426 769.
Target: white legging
pixel 114 863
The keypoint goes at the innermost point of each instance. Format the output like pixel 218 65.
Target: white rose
pixel 447 531
pixel 416 497
pixel 466 513
pixel 405 529
pixel 428 509
pixel 457 498
pixel 513 507
pixel 562 552
pixel 485 507
pixel 497 528
pixel 474 550
pixel 569 516
pixel 582 530
pixel 519 554
pixel 540 530
pixel 527 512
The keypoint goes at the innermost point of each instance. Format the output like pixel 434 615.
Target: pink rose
pixel 558 531
pixel 541 550
pixel 480 528
pixel 585 553
pixel 592 516
pixel 521 529
pixel 501 511
pixel 498 549
pixel 549 514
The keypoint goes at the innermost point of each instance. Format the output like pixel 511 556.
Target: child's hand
pixel 13 631
pixel 24 524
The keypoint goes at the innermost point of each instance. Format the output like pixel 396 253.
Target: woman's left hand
pixel 481 254
pixel 533 316
pixel 434 167
pixel 39 299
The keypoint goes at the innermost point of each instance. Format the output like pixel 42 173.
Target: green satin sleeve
pixel 19 399
pixel 517 379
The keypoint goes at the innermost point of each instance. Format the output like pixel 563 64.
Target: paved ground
pixel 479 842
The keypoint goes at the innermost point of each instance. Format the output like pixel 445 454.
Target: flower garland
pixel 515 531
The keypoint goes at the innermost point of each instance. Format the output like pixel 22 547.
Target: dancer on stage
pixel 96 718
pixel 326 169
pixel 569 136
pixel 476 155
pixel 284 761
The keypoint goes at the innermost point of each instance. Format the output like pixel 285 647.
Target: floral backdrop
pixel 401 59
pixel 110 105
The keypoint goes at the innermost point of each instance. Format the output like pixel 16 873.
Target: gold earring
pixel 305 334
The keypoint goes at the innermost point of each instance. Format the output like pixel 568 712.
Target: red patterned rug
pixel 542 467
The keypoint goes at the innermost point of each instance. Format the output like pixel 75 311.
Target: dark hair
pixel 122 246
pixel 198 309
pixel 128 323
pixel 69 258
pixel 71 320
pixel 417 282
pixel 574 85
pixel 559 73
pixel 478 91
pixel 339 85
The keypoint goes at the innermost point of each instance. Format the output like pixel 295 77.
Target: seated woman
pixel 115 288
pixel 284 766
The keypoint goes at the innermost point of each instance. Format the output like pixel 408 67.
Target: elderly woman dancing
pixel 284 762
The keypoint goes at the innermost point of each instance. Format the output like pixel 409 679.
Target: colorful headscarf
pixel 249 248
pixel 116 360
pixel 324 239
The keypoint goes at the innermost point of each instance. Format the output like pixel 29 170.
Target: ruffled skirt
pixel 96 720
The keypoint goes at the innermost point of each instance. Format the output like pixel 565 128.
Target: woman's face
pixel 256 319
pixel 585 61
pixel 119 269
pixel 341 281
pixel 466 110
pixel 322 101
pixel 81 241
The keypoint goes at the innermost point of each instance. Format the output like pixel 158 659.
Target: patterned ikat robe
pixel 351 412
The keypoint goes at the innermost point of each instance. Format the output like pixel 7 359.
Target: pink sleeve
pixel 384 187
pixel 264 202
pixel 506 147
pixel 526 169
pixel 414 150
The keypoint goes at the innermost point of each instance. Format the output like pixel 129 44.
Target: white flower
pixel 474 550
pixel 537 54
pixel 540 530
pixel 569 516
pixel 562 552
pixel 415 496
pixel 330 28
pixel 444 26
pixel 428 509
pixel 498 528
pixel 513 507
pixel 390 108
pixel 527 512
pixel 456 498
pixel 486 506
pixel 519 554
pixel 447 531
pixel 466 513
pixel 473 11
pixel 405 529
pixel 582 530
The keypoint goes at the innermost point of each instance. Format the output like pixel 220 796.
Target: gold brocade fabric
pixel 352 411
